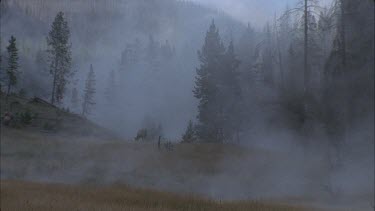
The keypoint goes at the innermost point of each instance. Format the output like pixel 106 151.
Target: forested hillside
pixel 309 71
pixel 111 35
pixel 166 73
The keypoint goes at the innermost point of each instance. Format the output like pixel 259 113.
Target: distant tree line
pixel 310 67
pixel 315 69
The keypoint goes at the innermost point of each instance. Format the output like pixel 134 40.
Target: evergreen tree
pixel 206 86
pixel 89 92
pixel 189 135
pixel 12 69
pixel 246 48
pixel 218 90
pixel 246 53
pixel 349 70
pixel 230 95
pixel 59 56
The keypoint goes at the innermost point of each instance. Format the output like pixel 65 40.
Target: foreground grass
pixel 34 196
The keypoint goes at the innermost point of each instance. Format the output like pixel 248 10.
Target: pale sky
pixel 257 12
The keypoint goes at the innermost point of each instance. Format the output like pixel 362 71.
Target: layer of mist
pixel 289 140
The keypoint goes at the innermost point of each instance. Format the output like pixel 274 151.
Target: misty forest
pixel 187 105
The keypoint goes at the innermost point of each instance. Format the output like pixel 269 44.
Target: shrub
pixel 22 93
pixel 189 135
pixel 47 126
pixel 141 134
pixel 26 117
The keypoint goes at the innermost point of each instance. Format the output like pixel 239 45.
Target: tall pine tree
pixel 206 87
pixel 230 95
pixel 89 92
pixel 12 69
pixel 59 56
pixel 246 53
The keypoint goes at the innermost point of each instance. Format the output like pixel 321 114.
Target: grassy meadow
pixel 46 197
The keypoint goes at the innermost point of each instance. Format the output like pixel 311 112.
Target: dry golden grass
pixel 33 196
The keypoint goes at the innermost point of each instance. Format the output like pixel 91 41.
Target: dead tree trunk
pixel 342 34
pixel 305 74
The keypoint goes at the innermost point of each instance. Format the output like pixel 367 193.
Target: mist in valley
pixel 230 100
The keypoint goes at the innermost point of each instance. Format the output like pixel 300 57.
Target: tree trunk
pixel 84 108
pixel 279 55
pixel 280 61
pixel 343 35
pixel 54 83
pixel 305 75
pixel 159 142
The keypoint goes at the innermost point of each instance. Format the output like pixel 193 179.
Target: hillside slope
pixel 37 115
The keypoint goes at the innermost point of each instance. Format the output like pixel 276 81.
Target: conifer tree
pixel 246 54
pixel 189 135
pixel 206 86
pixel 89 92
pixel 12 69
pixel 58 41
pixel 218 90
pixel 230 96
pixel 246 48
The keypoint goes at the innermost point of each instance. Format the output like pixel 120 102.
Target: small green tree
pixel 12 69
pixel 189 135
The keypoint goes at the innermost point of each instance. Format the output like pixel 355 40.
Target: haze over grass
pixel 46 197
